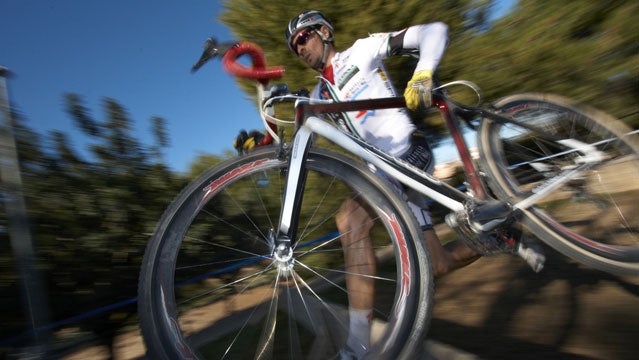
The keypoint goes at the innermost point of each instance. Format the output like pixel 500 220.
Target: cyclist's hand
pixel 245 142
pixel 418 90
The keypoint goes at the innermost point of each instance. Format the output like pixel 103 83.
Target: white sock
pixel 359 332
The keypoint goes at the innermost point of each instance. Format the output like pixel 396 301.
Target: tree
pixel 352 20
pixel 204 162
pixel 93 211
pixel 586 50
pixel 582 49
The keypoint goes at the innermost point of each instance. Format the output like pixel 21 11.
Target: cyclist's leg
pixel 448 257
pixel 454 254
pixel 212 253
pixel 354 224
pixel 445 258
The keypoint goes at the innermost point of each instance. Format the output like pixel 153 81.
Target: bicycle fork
pixel 283 239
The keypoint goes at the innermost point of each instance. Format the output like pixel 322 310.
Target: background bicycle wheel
pixel 594 217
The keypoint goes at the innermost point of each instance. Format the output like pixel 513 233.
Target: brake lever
pixel 302 93
pixel 211 50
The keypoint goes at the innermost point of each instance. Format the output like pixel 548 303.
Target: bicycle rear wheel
pixel 593 218
pixel 211 288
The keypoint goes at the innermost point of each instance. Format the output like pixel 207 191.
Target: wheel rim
pixel 597 211
pixel 233 296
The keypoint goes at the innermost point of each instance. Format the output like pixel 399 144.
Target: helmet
pixel 306 19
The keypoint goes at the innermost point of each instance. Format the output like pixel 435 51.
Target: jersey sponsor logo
pixel 350 73
pixel 358 92
pixel 387 83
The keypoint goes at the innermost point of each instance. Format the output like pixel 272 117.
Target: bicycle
pixel 247 263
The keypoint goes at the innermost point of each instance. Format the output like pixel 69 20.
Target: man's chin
pixel 316 65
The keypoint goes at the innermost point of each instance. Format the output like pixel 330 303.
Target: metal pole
pixel 33 293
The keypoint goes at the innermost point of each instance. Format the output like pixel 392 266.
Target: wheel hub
pixel 283 255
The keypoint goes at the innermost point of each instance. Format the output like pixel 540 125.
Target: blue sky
pixel 137 52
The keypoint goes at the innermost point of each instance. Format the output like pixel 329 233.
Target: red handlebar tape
pixel 258 71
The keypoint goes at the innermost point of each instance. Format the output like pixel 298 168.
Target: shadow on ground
pixel 498 308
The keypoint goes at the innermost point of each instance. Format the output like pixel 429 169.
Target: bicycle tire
pixel 208 280
pixel 593 219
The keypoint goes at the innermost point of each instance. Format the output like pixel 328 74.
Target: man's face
pixel 309 47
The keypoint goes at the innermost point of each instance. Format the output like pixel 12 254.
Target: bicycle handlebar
pixel 258 71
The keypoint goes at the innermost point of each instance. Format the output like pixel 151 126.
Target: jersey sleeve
pixel 428 41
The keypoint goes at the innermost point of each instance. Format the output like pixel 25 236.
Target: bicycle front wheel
pixel 594 217
pixel 211 286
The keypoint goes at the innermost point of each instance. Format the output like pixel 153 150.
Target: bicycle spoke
pixel 576 189
pixel 315 211
pixel 239 332
pixel 337 317
pixel 227 285
pixel 236 296
pixel 265 344
pixel 295 351
pixel 235 227
pixel 249 217
pixel 214 244
pixel 343 272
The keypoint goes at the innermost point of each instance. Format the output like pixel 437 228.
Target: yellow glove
pixel 418 90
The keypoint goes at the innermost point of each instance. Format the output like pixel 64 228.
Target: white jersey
pixel 358 73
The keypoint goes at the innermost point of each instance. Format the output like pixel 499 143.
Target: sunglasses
pixel 302 38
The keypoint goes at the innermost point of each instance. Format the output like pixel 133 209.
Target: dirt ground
pixel 497 308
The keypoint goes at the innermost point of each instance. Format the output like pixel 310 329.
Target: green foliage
pixel 203 162
pixel 583 49
pixel 586 50
pixel 252 20
pixel 92 217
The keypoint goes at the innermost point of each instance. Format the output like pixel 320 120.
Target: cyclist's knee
pixel 343 214
pixel 353 215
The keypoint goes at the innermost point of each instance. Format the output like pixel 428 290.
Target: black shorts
pixel 419 154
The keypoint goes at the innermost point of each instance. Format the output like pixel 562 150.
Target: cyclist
pixel 358 73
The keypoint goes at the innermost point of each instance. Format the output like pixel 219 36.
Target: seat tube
pixel 467 162
pixel 295 183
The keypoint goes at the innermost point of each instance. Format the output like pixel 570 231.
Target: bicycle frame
pixel 494 212
pixel 412 177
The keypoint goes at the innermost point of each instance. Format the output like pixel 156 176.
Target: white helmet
pixel 308 18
